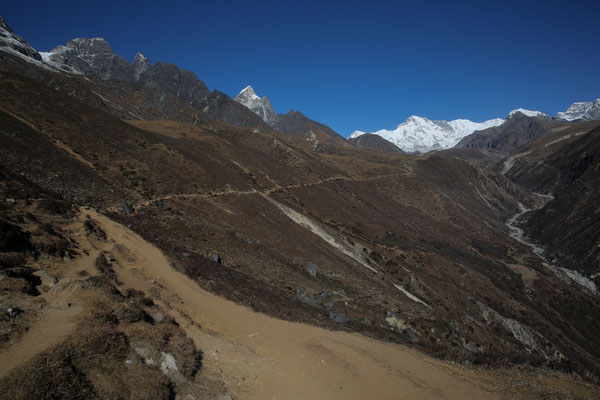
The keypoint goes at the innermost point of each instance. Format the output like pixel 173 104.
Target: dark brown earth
pixel 110 318
pixel 433 226
pixel 375 142
pixel 564 163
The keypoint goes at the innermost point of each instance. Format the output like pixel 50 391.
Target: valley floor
pixel 259 357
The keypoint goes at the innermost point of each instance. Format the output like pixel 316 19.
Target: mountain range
pixel 135 201
pixel 420 135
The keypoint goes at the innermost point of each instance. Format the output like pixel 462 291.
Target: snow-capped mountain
pixel 14 44
pixel 528 113
pixel 582 110
pixel 260 106
pixel 420 135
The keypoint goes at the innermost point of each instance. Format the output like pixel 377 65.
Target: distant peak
pixel 260 106
pixel 356 134
pixel 525 112
pixel 139 56
pixel 90 46
pixel 417 118
pixel 248 90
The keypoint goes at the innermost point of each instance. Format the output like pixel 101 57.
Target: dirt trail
pixel 267 192
pixel 54 325
pixel 260 357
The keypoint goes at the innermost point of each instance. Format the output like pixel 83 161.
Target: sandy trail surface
pixel 259 357
pixel 51 328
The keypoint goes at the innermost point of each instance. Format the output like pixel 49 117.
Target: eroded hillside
pixel 97 311
pixel 405 249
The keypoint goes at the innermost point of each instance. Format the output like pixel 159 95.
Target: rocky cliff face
pixel 581 111
pixel 91 57
pixel 517 130
pixel 163 83
pixel 159 91
pixel 260 106
pixel 13 43
pixel 141 64
pixel 293 123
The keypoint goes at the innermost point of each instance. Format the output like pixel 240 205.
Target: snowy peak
pixel 260 106
pixel 420 135
pixel 248 93
pixel 527 113
pixel 356 134
pixel 581 110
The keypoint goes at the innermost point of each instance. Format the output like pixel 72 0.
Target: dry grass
pixel 99 360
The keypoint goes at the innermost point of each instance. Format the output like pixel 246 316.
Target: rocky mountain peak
pixel 581 111
pixel 141 64
pixel 15 44
pixel 260 106
pixel 90 46
pixel 87 56
pixel 527 113
pixel 248 93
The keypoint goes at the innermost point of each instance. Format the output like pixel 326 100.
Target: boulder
pixel 47 280
pixel 145 354
pixel 312 269
pixel 412 335
pixel 158 317
pixel 127 209
pixel 395 322
pixel 168 366
pixel 329 303
pixel 216 257
pixel 69 285
pixel 337 316
pixel 325 295
pixel 12 312
pixel 307 299
pixel 61 304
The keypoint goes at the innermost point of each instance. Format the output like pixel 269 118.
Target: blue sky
pixel 352 64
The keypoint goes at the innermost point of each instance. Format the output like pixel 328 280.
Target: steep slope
pixel 581 111
pixel 12 43
pixel 406 249
pixel 375 142
pixel 260 106
pixel 293 123
pixel 517 130
pixel 482 158
pixel 568 225
pixel 90 57
pixel 137 90
pixel 74 328
pixel 297 124
pixel 563 164
pixel 115 319
pixel 420 135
